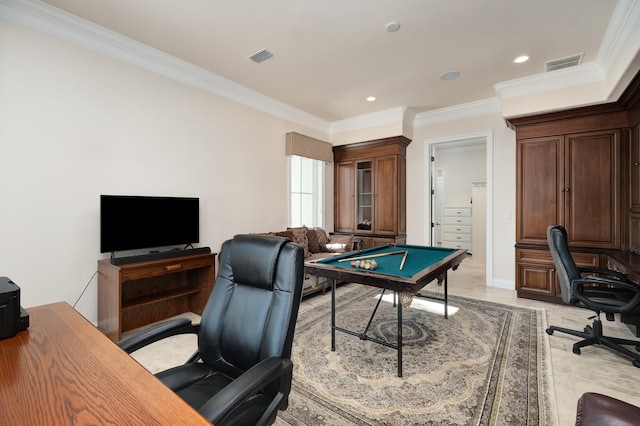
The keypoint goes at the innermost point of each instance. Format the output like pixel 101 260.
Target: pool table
pixel 401 268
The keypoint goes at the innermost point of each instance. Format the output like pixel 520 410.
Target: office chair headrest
pixel 254 259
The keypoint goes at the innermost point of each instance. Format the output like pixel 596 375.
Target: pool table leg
pixel 446 304
pixel 333 315
pixel 399 339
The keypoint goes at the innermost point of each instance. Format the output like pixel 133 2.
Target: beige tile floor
pixel 596 369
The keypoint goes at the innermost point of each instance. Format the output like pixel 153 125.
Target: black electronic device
pixel 13 318
pixel 145 222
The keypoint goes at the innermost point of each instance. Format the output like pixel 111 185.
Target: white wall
pixel 75 124
pixel 502 270
pixel 461 167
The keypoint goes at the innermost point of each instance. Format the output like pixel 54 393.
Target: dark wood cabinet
pixel 137 294
pixel 634 169
pixel 345 202
pixel 539 182
pixel 536 274
pixel 592 189
pixel 571 180
pixel 370 190
pixel 568 172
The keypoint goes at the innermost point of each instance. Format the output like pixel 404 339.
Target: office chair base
pixel 592 335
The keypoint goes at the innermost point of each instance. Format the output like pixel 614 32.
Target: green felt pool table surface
pixel 418 257
pixel 423 264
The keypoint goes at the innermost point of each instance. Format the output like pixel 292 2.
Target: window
pixel 306 201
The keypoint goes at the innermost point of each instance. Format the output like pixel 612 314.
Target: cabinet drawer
pixel 614 265
pixel 457 245
pixel 457 212
pixel 544 257
pixel 157 268
pixel 457 238
pixel 457 229
pixel 461 220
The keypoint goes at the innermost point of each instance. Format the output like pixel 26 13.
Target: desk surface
pixel 64 371
pixel 423 264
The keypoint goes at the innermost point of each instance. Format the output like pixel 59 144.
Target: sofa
pixel 317 244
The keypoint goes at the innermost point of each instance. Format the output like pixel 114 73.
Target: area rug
pixel 487 364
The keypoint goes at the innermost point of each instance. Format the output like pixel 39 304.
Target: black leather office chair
pixel 241 373
pixel 602 291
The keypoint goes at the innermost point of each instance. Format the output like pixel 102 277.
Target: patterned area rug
pixel 487 364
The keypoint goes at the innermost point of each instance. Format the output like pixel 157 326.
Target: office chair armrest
pixel 245 386
pixel 602 271
pixel 157 332
pixel 602 301
pixel 622 285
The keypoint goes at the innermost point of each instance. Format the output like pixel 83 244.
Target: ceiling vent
pixel 261 56
pixel 569 61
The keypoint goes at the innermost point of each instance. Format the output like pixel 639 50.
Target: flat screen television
pixel 143 222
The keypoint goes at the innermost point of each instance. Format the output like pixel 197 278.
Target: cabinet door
pixel 386 195
pixel 592 188
pixel 539 187
pixel 535 273
pixel 634 233
pixel 635 169
pixel 344 209
pixel 365 196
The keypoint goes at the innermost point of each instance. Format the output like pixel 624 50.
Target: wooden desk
pixel 64 371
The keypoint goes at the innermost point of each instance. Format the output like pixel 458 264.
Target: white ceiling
pixel 329 55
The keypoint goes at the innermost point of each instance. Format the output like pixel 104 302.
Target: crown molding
pixel 46 18
pixel 619 32
pixel 554 80
pixel 378 118
pixel 458 112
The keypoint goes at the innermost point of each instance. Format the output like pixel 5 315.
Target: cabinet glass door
pixel 364 196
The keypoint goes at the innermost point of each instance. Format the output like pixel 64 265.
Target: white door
pixel 478 221
pixel 437 199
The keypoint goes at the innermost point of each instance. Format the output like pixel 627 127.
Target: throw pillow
pixel 313 240
pixel 300 237
pixel 323 240
pixel 285 234
pixel 340 243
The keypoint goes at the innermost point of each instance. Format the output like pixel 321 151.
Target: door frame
pixel 429 184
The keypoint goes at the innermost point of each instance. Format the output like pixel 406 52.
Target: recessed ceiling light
pixel 392 26
pixel 521 59
pixel 371 98
pixel 450 75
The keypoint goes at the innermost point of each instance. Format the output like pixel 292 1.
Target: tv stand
pixel 139 293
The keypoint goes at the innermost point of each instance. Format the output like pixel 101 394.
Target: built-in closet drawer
pixel 457 228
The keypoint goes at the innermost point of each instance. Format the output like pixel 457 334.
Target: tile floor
pixel 596 369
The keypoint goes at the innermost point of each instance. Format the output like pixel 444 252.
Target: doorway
pixel 460 177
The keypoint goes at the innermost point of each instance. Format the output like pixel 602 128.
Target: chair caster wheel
pixel 549 331
pixel 576 350
pixel 636 363
pixel 588 329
